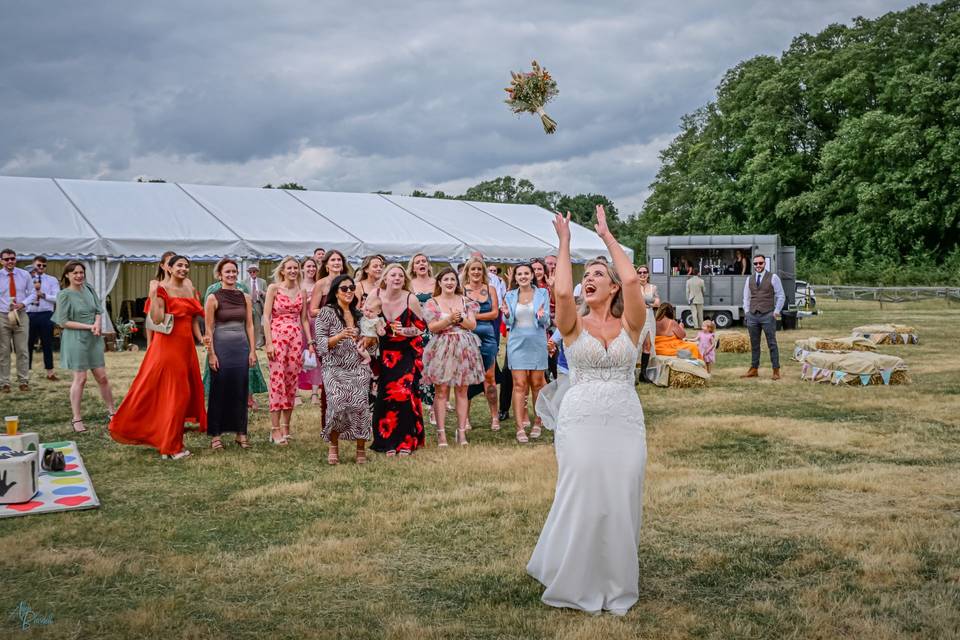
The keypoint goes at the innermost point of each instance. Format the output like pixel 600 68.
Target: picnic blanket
pixel 668 371
pixel 888 333
pixel 854 367
pixel 59 490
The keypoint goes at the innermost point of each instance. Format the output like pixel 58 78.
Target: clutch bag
pixel 164 327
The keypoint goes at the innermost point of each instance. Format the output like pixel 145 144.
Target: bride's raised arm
pixel 634 307
pixel 567 316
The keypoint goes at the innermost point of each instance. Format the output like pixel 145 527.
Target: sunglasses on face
pixel 348 287
pixel 9 259
pixel 642 273
pixel 758 264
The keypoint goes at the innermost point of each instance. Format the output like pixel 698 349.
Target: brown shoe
pixel 5 389
pixel 24 387
pixel 752 373
pixel 776 374
pixel 53 377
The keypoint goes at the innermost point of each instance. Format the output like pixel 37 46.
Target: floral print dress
pixel 287 361
pixel 397 412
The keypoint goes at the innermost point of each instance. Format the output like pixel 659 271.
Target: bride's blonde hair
pixel 616 305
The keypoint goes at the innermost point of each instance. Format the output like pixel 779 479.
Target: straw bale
pixel 684 380
pixel 733 342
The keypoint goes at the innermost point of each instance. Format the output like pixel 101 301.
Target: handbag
pixel 309 360
pixel 164 327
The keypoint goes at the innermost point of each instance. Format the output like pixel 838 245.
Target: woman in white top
pixel 651 297
pixel 586 556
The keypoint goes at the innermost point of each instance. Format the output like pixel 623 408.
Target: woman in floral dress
pixel 452 359
pixel 397 413
pixel 285 324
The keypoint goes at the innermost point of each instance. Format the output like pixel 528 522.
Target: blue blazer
pixel 541 299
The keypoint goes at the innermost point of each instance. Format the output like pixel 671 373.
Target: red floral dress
pixel 287 362
pixel 397 413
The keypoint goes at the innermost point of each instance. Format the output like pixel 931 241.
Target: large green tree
pixel 845 145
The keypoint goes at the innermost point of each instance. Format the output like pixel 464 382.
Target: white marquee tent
pixel 108 223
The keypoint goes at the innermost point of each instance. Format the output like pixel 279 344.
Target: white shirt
pixel 49 287
pixel 24 284
pixel 779 297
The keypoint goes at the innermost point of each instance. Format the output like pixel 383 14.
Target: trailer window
pixel 657 265
pixel 716 262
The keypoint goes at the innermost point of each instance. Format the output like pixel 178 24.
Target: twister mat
pixel 59 490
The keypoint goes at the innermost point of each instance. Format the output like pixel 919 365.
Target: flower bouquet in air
pixel 530 91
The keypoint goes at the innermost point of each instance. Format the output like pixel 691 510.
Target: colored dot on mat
pixel 72 501
pixel 67 481
pixel 63 474
pixel 26 506
pixel 70 467
pixel 5 448
pixel 57 445
pixel 69 458
pixel 68 491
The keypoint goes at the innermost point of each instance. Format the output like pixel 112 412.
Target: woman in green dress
pixel 81 343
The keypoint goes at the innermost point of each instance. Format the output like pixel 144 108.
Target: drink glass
pixel 13 423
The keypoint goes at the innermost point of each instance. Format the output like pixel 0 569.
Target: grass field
pixel 772 510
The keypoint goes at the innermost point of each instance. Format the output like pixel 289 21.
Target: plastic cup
pixel 13 423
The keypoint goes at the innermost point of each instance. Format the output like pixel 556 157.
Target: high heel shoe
pixel 462 437
pixel 281 441
pixel 333 454
pixel 441 438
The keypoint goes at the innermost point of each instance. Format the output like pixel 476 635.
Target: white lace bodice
pixel 590 362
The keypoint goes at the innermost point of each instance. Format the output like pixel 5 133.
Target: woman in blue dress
pixel 478 288
pixel 527 317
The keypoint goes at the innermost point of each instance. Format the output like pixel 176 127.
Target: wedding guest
pixel 285 324
pixel 346 378
pixel 422 283
pixel 160 278
pixel 695 289
pixel 257 287
pixel 541 279
pixel 397 413
pixel 479 290
pixel 651 297
pixel 257 384
pixel 81 342
pixel 368 275
pixel 310 379
pixel 763 299
pixel 333 264
pixel 671 336
pixel 231 352
pixel 318 255
pixel 452 359
pixel 16 293
pixel 40 312
pixel 167 391
pixel 707 342
pixel 527 319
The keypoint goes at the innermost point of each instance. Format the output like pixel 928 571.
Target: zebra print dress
pixel 346 382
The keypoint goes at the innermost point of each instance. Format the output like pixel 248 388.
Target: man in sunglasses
pixel 16 293
pixel 46 289
pixel 763 299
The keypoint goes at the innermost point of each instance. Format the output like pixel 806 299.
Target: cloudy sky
pixel 362 96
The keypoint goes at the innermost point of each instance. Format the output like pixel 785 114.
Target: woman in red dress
pixel 168 389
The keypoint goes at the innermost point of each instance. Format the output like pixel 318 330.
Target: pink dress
pixel 708 346
pixel 452 357
pixel 314 377
pixel 287 362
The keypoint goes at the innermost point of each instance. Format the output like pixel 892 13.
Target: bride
pixel 586 556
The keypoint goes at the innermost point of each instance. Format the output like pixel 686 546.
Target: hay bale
pixel 733 342
pixel 899 376
pixel 684 380
pixel 831 344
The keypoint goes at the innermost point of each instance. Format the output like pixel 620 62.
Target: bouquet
pixel 530 91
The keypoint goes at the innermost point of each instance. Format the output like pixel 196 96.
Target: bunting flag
pixel 816 372
pixel 864 379
pixel 838 377
pixel 885 374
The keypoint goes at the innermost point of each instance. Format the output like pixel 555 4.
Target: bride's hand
pixel 562 226
pixel 601 227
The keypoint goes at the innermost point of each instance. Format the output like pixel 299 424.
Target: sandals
pixel 391 454
pixel 242 441
pixel 216 444
pixel 333 455
pixel 286 436
pixel 279 442
pixel 441 432
pixel 79 429
pixel 462 437
pixel 176 456
pixel 495 424
pixel 315 399
pixel 404 453
pixel 522 436
pixel 361 455
pixel 536 431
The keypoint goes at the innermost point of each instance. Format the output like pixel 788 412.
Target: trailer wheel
pixel 724 319
pixel 687 319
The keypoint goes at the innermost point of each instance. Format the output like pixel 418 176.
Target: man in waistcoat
pixel 763 299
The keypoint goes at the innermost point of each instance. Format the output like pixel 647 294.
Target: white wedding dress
pixel 586 556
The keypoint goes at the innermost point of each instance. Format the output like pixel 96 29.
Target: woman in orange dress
pixel 670 335
pixel 168 389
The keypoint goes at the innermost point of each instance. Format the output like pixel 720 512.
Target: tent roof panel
pixel 495 239
pixel 383 226
pixel 39 220
pixel 144 220
pixel 271 222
